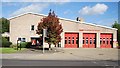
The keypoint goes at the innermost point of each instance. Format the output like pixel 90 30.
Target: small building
pixel 76 33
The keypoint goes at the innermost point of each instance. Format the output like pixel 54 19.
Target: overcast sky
pixel 102 13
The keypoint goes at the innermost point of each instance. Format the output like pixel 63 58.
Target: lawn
pixel 9 50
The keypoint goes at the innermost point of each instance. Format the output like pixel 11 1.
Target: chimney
pixel 80 19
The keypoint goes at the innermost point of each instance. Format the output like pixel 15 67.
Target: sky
pixel 101 13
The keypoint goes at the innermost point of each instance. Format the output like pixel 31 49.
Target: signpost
pixel 44 35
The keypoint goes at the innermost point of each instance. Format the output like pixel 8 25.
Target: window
pixel 23 39
pixel 107 40
pixel 111 42
pixel 103 40
pixel 19 39
pixel 32 27
pixel 65 40
pixel 90 40
pixel 77 41
pixel 69 40
pixel 72 40
pixel 86 40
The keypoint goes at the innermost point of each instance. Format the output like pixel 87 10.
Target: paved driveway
pixel 68 54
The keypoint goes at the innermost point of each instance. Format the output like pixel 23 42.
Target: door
pixel 106 40
pixel 71 40
pixel 89 40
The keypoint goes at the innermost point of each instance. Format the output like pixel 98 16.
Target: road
pixel 14 62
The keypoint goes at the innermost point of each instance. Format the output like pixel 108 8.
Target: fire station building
pixel 76 33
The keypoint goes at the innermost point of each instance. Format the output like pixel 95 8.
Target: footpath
pixel 66 54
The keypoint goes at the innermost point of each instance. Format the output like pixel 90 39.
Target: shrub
pixel 28 44
pixel 5 42
pixel 25 44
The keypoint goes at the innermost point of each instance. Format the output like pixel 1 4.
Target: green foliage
pixel 4 23
pixel 9 50
pixel 28 44
pixel 117 25
pixel 53 26
pixel 25 44
pixel 5 42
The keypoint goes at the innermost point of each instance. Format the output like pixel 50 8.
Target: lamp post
pixel 44 35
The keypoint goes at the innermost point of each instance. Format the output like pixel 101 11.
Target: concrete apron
pixel 69 54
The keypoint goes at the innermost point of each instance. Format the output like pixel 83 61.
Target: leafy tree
pixel 5 42
pixel 53 26
pixel 117 25
pixel 4 23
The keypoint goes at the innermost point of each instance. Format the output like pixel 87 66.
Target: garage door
pixel 71 40
pixel 89 40
pixel 106 40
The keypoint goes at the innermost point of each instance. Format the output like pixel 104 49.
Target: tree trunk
pixel 49 47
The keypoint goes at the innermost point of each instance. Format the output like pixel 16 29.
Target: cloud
pixel 30 8
pixel 97 9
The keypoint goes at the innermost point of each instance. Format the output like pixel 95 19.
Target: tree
pixel 4 23
pixel 117 25
pixel 53 26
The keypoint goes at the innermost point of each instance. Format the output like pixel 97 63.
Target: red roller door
pixel 106 40
pixel 89 40
pixel 71 40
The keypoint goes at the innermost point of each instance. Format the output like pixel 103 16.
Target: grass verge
pixel 10 50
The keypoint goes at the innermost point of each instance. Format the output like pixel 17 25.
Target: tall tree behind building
pixel 4 25
pixel 117 25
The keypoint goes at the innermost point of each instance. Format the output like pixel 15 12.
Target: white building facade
pixel 76 34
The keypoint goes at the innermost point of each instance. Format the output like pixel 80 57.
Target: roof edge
pixel 63 19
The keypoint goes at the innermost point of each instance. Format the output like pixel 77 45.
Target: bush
pixel 25 44
pixel 28 44
pixel 5 42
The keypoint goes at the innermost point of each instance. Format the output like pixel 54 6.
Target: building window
pixel 32 27
pixel 23 39
pixel 65 40
pixel 86 40
pixel 72 40
pixel 103 40
pixel 107 41
pixel 90 40
pixel 77 41
pixel 19 39
pixel 69 40
pixel 111 42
